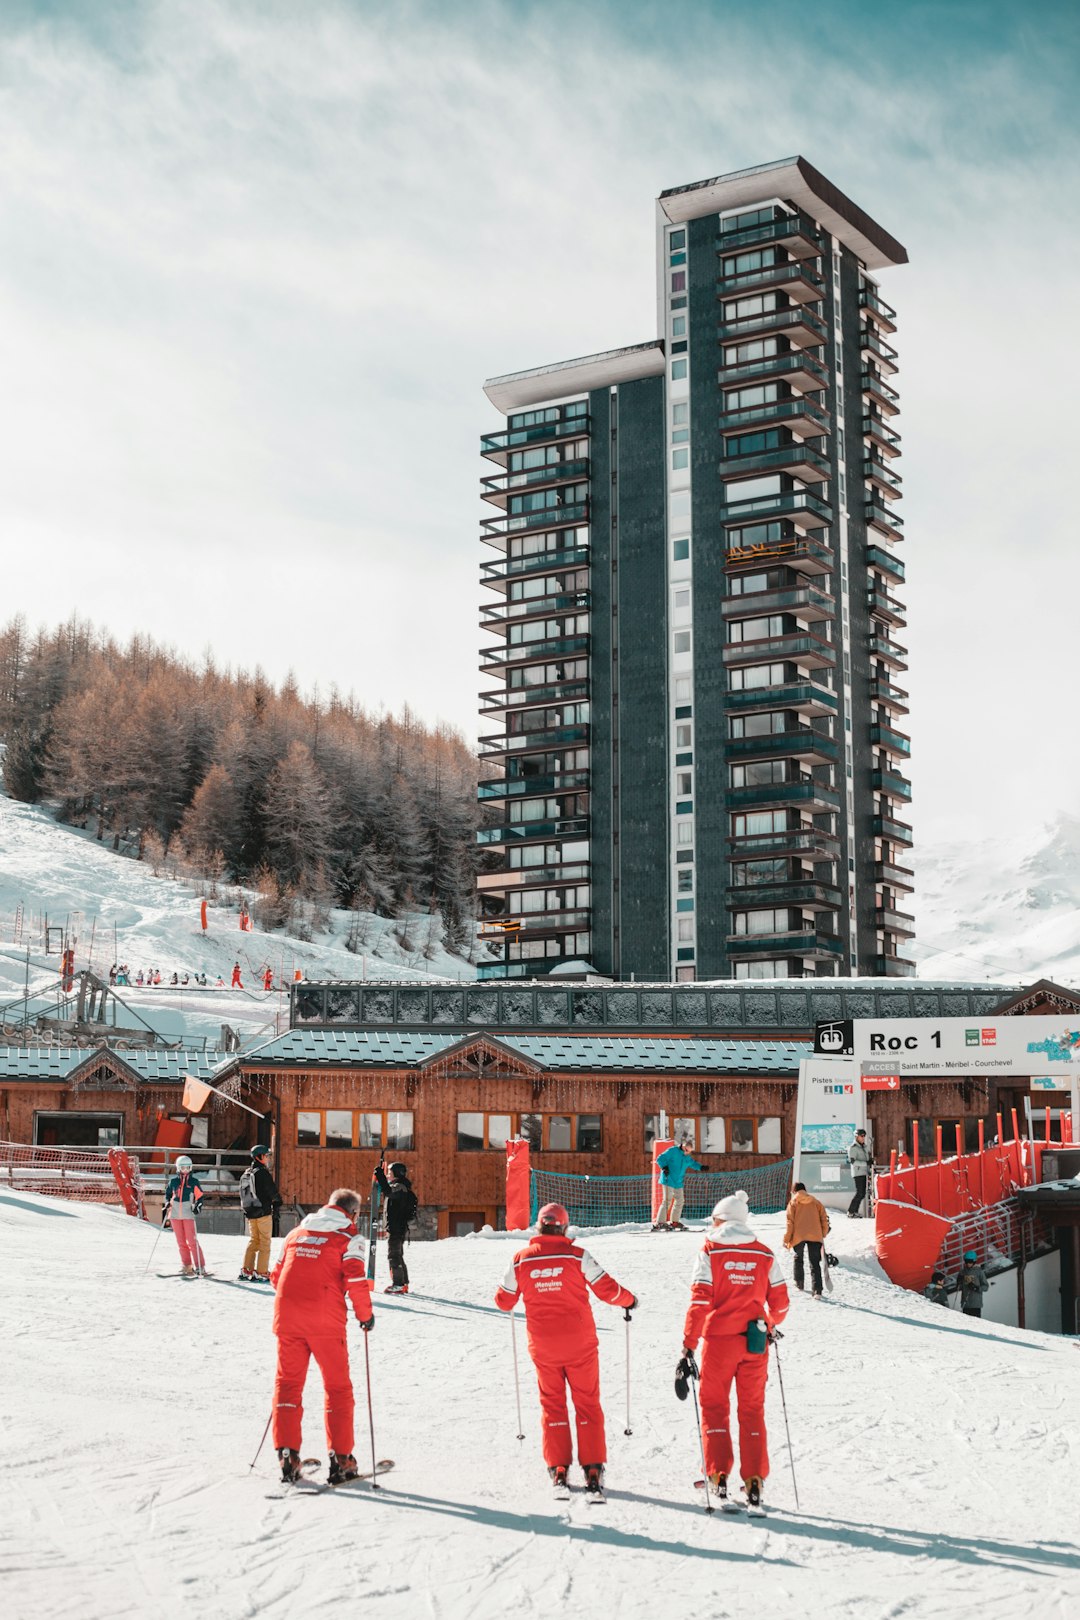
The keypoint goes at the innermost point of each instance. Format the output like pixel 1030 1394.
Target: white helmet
pixel 183 1162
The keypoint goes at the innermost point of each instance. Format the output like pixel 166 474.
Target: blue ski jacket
pixel 674 1164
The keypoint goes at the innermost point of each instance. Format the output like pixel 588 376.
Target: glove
pixel 633 1305
pixel 685 1370
pixel 368 1325
pixel 166 1224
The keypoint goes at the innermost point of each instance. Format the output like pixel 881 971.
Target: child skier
pixel 553 1277
pixel 936 1290
pixel 183 1195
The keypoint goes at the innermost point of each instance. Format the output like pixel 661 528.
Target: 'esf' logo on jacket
pixel 743 1269
pixel 547 1271
pixel 545 1278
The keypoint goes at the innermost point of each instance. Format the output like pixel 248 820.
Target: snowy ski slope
pixel 936 1456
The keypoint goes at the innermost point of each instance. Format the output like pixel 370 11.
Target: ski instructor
pixel 737 1292
pixel 553 1276
pixel 321 1268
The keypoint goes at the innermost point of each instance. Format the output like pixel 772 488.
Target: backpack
pixel 412 1204
pixel 250 1203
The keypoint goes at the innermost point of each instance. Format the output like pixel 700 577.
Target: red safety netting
pixel 72 1173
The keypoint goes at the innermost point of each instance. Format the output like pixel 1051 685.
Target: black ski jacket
pixel 400 1202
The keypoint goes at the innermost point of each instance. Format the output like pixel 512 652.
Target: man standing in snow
pixel 401 1206
pixel 236 981
pixel 737 1293
pixel 674 1162
pixel 183 1195
pixel 859 1159
pixel 973 1284
pixel 259 1198
pixel 321 1268
pixel 553 1276
pixel 807 1228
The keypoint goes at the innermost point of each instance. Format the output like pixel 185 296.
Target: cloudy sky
pixel 257 260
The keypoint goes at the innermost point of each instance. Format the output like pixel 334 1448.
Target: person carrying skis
pixel 737 1294
pixel 321 1272
pixel 183 1195
pixel 973 1284
pixel 936 1290
pixel 259 1198
pixel 807 1229
pixel 859 1160
pixel 674 1162
pixel 553 1277
pixel 401 1206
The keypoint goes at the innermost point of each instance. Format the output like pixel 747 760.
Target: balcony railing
pixel 798 325
pixel 518 697
pixel 524 787
pixel 895 922
pixel 497 489
pixel 496 446
pixel 886 607
pixel 804 942
pixel 886 356
pixel 551 517
pixel 795 647
pixel 898 831
pixel 811 843
pixel 881 517
pixel 799 459
pixel 801 742
pixel 799 504
pixel 897 877
pixel 514 567
pixel 874 428
pixel 878 308
pixel 805 600
pixel 496 615
pixel 765 794
pixel 889 782
pixel 802 370
pixel 798 414
pixel 798 234
pixel 533 741
pixel 809 556
pixel 893 967
pixel 797 892
pixel 891 651
pixel 804 697
pixel 885 559
pixel 531 651
pixel 510 833
pixel 797 279
pixel 872 383
pixel 889 482
pixel 897 741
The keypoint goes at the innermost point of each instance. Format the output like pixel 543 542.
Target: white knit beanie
pixel 736 1207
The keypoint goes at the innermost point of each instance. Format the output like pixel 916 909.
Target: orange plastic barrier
pixel 908 1242
pixel 126 1172
pixel 657 1195
pixel 517 1184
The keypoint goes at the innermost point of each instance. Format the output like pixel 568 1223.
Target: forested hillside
pixel 311 799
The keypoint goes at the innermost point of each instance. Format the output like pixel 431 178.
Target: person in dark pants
pixel 807 1229
pixel 401 1207
pixel 973 1284
pixel 859 1159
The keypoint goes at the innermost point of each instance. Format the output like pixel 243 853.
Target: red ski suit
pixel 321 1265
pixel 736 1280
pixel 553 1276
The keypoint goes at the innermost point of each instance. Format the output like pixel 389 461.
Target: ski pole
pixel 262 1442
pixel 776 1334
pixel 626 1314
pixel 517 1381
pixel 697 1424
pixel 370 1413
pixel 153 1250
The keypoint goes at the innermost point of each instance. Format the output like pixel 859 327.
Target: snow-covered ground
pixel 936 1456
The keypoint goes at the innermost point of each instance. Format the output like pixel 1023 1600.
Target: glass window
pixel 680 459
pixel 531 1127
pixel 678 370
pixel 369 1131
pixel 713 1134
pixel 500 1130
pixel 686 928
pixel 589 1133
pixel 399 1132
pixel 682 599
pixel 678 326
pixel 684 782
pixel 676 240
pixel 685 1130
pixel 768 1136
pixel 308 1129
pixel 682 736
pixel 678 281
pixel 560 1133
pixel 338 1128
pixel 680 414
pixel 682 641
pixel 470 1133
pixel 685 833
pixel 742 1136
pixel 686 879
pixel 652 1130
pixel 680 550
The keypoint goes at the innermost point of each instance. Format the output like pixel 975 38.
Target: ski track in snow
pixel 935 1455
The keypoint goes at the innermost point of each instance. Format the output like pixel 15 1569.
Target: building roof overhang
pixel 567 378
pixel 796 181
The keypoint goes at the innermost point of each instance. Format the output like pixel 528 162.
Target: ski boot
pixel 560 1487
pixel 677 1226
pixel 341 1469
pixel 187 1271
pixel 658 1226
pixel 718 1486
pixel 260 1276
pixel 290 1465
pixel 754 1489
pixel 246 1275
pixel 396 1288
pixel 594 1481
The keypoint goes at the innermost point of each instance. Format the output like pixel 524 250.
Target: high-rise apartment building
pixel 692 706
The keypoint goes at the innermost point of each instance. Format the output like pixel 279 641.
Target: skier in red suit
pixel 236 982
pixel 321 1270
pixel 553 1277
pixel 736 1282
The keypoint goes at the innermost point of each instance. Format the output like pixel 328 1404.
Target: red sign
pixel 881 1082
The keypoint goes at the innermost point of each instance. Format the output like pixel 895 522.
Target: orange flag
pixel 195 1094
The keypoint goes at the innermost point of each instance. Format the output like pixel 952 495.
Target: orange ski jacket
pixel 736 1279
pixel 322 1265
pixel 554 1277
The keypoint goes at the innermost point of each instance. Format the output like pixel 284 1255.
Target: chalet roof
pixel 625 1054
pixel 150 1065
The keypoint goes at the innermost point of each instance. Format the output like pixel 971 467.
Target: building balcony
pixel 801 370
pixel 884 354
pixel 798 280
pixel 503 656
pixel 883 519
pixel 898 787
pixel 526 787
pixel 798 647
pixel 497 884
pixel 800 415
pixel 877 558
pixel 797 551
pixel 877 309
pixel 801 460
pixel 515 698
pixel 800 743
pixel 495 616
pixel 498 489
pixel 876 388
pixel 541 924
pixel 495 574
pixel 898 831
pixel 808 942
pixel 805 600
pixel 808 843
pixel 811 796
pixel 802 697
pixel 802 328
pixel 552 517
pixel 882 479
pixel 518 831
pixel 880 436
pixel 799 235
pixel 893 967
pixel 497 446
pixel 886 607
pixel 894 922
pixel 798 504
pixel 890 652
pixel 897 877
pixel 513 744
pixel 898 742
pixel 799 892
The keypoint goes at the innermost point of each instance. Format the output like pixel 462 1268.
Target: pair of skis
pixel 561 1492
pixel 307 1484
